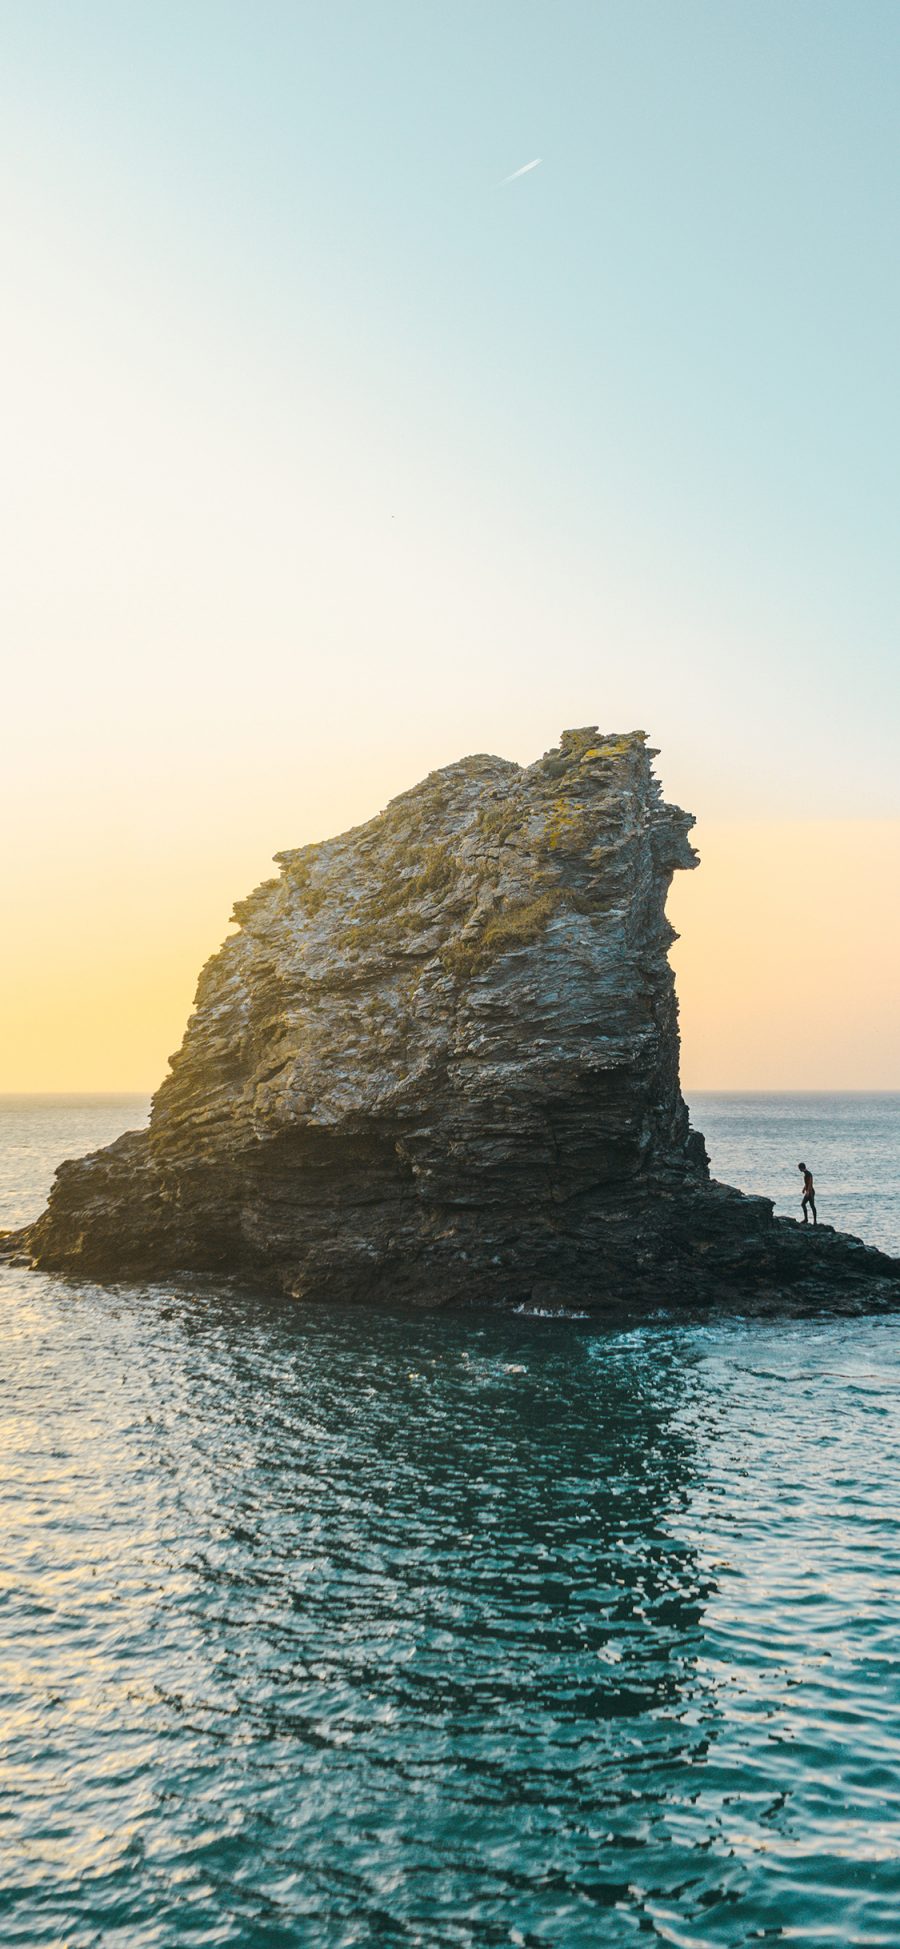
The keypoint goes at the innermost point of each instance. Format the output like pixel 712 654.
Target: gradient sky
pixel 329 456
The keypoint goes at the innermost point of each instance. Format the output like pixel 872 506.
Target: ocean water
pixel 325 1629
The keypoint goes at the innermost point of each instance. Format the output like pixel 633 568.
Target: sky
pixel 331 454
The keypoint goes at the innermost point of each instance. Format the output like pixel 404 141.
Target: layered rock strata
pixel 438 1061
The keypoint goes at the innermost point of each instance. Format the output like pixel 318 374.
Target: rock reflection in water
pixel 393 1629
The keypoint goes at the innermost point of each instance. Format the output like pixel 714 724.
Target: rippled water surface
pixel 327 1629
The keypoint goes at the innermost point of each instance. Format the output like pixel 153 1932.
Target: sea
pixel 334 1628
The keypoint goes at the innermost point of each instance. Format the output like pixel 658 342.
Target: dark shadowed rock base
pixel 438 1062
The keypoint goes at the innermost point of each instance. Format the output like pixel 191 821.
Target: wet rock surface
pixel 438 1061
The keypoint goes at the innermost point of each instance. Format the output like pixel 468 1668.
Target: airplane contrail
pixel 523 171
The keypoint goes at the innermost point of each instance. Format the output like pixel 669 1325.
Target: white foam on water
pixel 550 1312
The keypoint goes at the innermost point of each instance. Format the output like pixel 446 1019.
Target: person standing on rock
pixel 809 1195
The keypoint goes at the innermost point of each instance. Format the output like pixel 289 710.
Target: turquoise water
pixel 332 1630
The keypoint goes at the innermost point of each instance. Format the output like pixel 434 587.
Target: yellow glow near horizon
pixel 788 969
pixel 788 966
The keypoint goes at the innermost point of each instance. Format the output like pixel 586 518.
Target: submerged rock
pixel 439 1061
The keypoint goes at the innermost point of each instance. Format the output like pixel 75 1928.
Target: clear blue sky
pixel 668 354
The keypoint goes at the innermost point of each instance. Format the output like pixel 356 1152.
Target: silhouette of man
pixel 809 1195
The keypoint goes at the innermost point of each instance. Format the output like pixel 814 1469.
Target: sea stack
pixel 438 1062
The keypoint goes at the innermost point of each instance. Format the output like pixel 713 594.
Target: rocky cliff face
pixel 439 1061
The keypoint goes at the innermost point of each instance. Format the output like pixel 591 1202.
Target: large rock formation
pixel 439 1061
